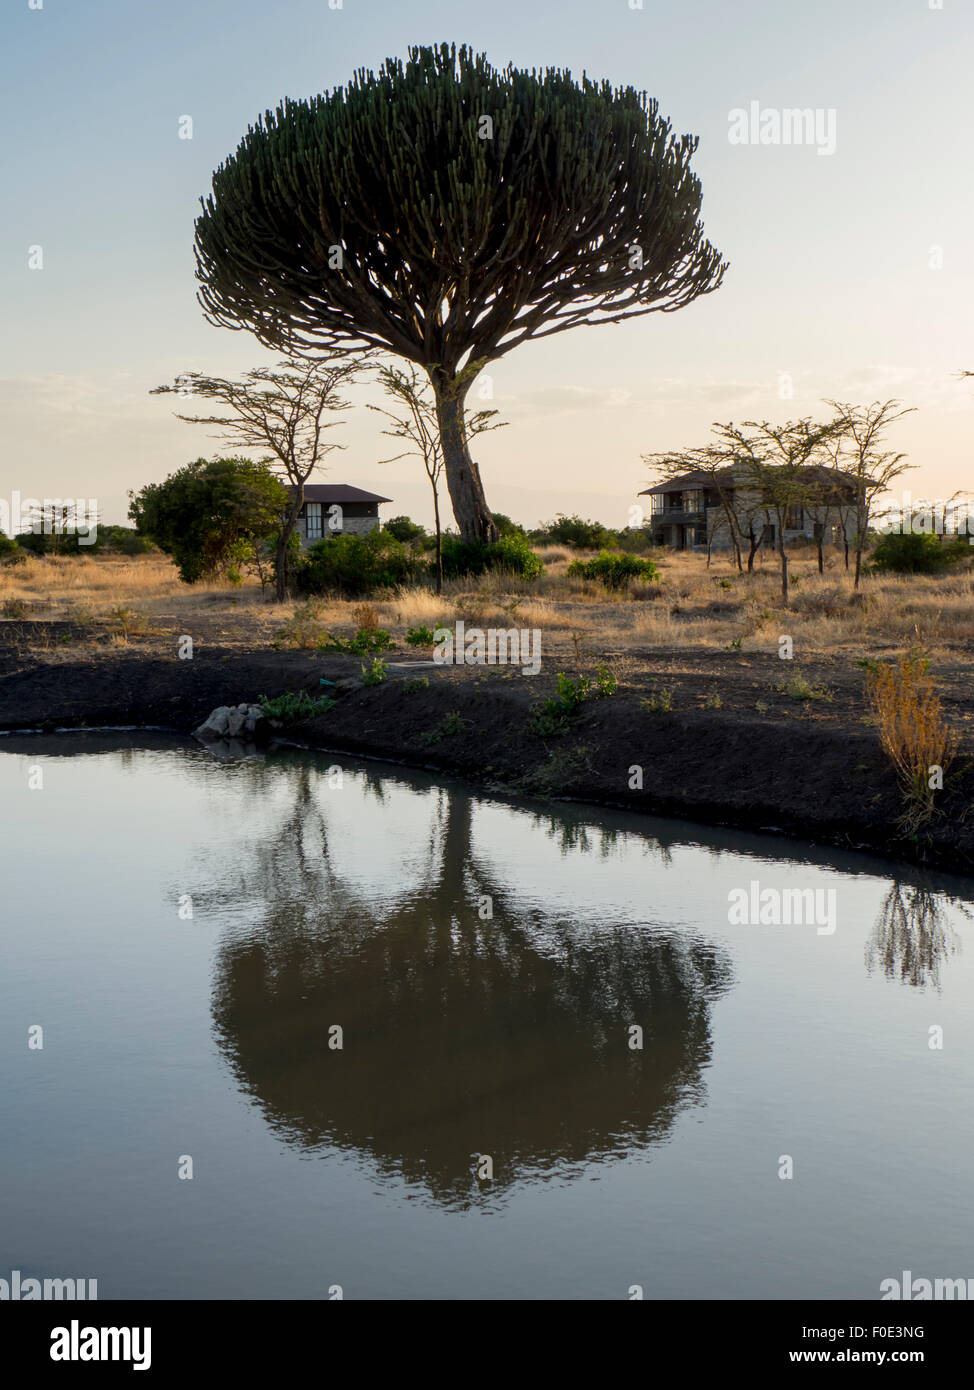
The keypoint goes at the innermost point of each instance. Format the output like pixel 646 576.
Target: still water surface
pixel 486 962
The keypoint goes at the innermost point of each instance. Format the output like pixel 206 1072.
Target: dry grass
pixel 91 591
pixel 691 606
pixel 366 617
pixel 912 732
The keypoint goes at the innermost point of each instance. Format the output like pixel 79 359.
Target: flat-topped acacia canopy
pixel 446 212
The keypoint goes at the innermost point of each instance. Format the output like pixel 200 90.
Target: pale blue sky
pixel 830 279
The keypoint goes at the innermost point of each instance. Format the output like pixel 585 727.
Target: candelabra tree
pixel 447 212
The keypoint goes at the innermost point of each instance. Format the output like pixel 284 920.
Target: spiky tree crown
pixel 448 211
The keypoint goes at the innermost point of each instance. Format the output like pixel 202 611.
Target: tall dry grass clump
pixel 913 732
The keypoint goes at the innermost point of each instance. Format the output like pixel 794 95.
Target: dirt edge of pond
pixel 823 781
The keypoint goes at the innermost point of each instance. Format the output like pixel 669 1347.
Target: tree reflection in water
pixel 913 937
pixel 462 1036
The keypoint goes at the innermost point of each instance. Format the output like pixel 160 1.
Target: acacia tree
pixel 827 493
pixel 860 430
pixel 779 463
pixel 711 465
pixel 833 450
pixel 281 411
pixel 752 517
pixel 60 525
pixel 447 212
pixel 417 424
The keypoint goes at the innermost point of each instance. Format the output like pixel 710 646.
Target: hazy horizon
pixel 848 273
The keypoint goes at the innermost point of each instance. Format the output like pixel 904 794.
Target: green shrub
pixel 295 705
pixel 660 701
pixel 364 642
pixel 554 715
pixel 421 636
pixel 915 552
pixel 122 540
pixel 507 527
pixel 403 529
pixel 451 724
pixel 209 515
pixel 512 552
pixel 302 630
pixel 633 539
pixel 49 543
pixel 355 566
pixel 9 549
pixel 614 571
pixel 376 672
pixel 605 681
pixel 576 532
pixel 798 688
pixel 127 621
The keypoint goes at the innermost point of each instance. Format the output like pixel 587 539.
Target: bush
pixel 295 705
pixel 376 672
pixel 303 630
pixel 122 540
pixel 913 552
pixel 605 682
pixel 507 527
pixel 554 715
pixel 576 532
pixel 452 723
pixel 128 621
pixel 659 701
pixel 512 552
pixel 364 643
pixel 912 730
pixel 356 566
pixel 211 513
pixel 798 688
pixel 51 543
pixel 403 529
pixel 9 549
pixel 634 539
pixel 614 571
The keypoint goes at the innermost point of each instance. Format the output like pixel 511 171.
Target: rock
pixel 256 723
pixel 243 721
pixel 216 726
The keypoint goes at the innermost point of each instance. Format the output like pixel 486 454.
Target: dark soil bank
pixel 812 771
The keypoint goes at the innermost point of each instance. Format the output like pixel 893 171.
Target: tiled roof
pixel 338 493
pixel 699 479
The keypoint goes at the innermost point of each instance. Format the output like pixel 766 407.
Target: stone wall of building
pixel 351 525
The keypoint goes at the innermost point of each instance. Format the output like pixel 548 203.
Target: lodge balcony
pixel 680 514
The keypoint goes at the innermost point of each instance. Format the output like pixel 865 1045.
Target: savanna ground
pixel 723 726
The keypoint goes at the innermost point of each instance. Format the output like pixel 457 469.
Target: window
pixel 693 501
pixel 312 521
pixel 795 518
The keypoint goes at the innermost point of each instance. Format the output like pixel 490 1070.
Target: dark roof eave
pixel 338 493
